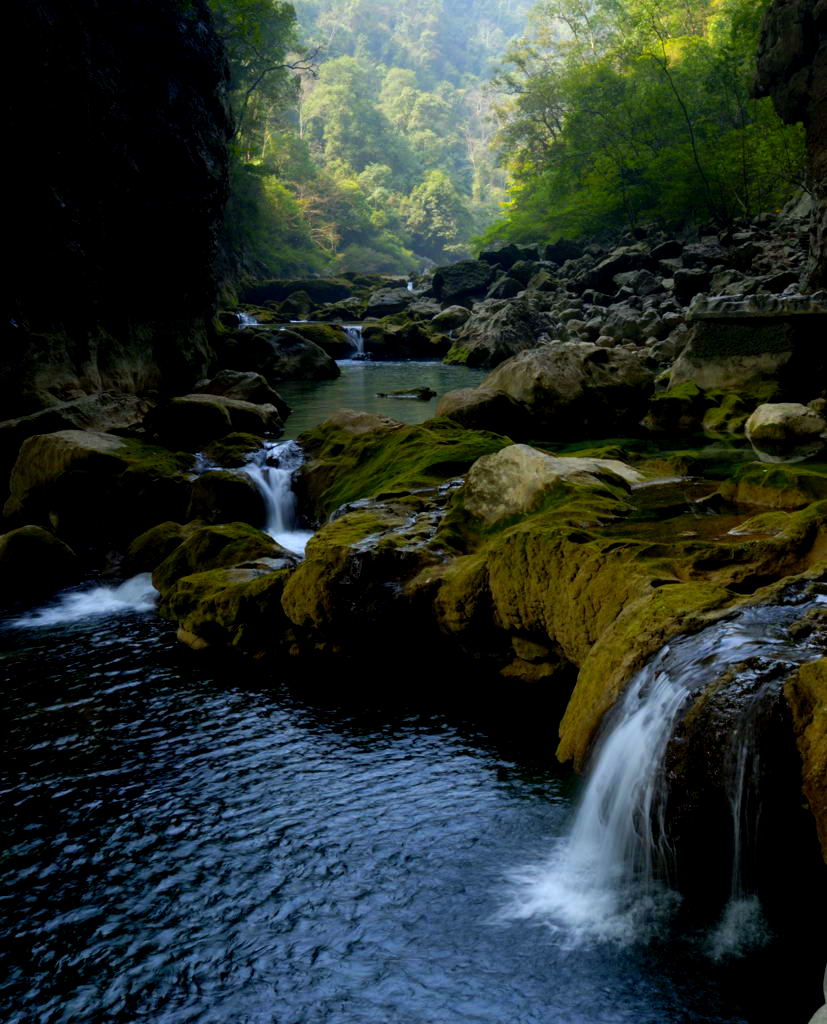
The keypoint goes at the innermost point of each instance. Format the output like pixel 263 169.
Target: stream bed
pixel 192 842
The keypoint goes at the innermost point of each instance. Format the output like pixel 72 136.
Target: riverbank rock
pixel 226 496
pixel 576 389
pixel 320 290
pixel 191 422
pixel 34 563
pixel 95 489
pixel 277 355
pixel 485 408
pixel 458 282
pixel 331 338
pixel 786 430
pixel 495 331
pixel 244 387
pixel 807 698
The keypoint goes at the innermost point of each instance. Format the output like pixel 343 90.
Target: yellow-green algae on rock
pixel 806 694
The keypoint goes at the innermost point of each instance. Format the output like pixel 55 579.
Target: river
pixel 191 840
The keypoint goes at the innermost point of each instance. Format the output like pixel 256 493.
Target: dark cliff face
pixel 792 69
pixel 117 156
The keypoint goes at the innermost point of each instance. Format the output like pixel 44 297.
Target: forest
pixel 375 137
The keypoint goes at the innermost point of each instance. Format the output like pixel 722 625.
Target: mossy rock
pixel 226 496
pixel 806 695
pixel 149 549
pixel 679 410
pixel 343 467
pixel 236 607
pixel 776 486
pixel 217 547
pixel 330 337
pixel 193 421
pixel 234 450
pixel 34 563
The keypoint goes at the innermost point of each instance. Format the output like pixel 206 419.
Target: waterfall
pixel 354 332
pixel 134 595
pixel 606 880
pixel 246 320
pixel 272 469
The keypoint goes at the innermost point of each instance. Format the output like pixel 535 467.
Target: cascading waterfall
pixel 272 469
pixel 246 320
pixel 607 879
pixel 354 332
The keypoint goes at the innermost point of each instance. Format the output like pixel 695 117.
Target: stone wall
pixel 116 181
pixel 792 69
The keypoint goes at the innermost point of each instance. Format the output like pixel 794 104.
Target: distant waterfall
pixel 246 320
pixel 354 332
pixel 605 881
pixel 272 469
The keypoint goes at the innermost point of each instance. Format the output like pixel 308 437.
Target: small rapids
pixel 134 595
pixel 271 469
pixel 605 881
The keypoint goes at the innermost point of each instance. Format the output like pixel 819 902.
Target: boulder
pixel 806 695
pixel 319 290
pixel 233 450
pixel 389 341
pixel 738 342
pixel 190 422
pixel 386 301
pixel 561 250
pixel 226 496
pixel 679 410
pixel 331 338
pixel 244 386
pixel 150 548
pixel 689 283
pixel 515 481
pixel 506 287
pixel 277 355
pixel 96 489
pixel 34 563
pixel 462 280
pixel 577 389
pixel 620 261
pixel 484 409
pixel 503 255
pixel 451 317
pixel 786 430
pixel 496 331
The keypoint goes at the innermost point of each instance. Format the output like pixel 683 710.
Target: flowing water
pixel 272 469
pixel 185 846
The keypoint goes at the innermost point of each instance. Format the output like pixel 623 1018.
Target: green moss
pixel 345 467
pixel 149 549
pixel 776 486
pixel 457 355
pixel 214 547
pixel 233 450
pixel 148 458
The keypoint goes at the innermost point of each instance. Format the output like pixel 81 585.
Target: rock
pixel 792 68
pixel 34 563
pixel 679 410
pixel 504 288
pixel 319 290
pixel 95 489
pixel 390 341
pixel 244 387
pixel 193 421
pixel 516 480
pixel 233 450
pixel 786 430
pixel 495 331
pixel 667 250
pixel 621 260
pixel 689 283
pixel 297 306
pixel 484 409
pixel 807 697
pixel 113 282
pixel 355 455
pixel 783 487
pixel 277 355
pixel 462 280
pixel 503 255
pixel 217 547
pixel 451 317
pixel 562 250
pixel 331 338
pixel 420 394
pixel 387 301
pixel 348 309
pixel 224 496
pixel 576 389
pixel 149 549
pixel 738 342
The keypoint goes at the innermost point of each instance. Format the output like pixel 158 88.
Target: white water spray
pixel 271 469
pixel 605 880
pixel 354 332
pixel 246 320
pixel 135 595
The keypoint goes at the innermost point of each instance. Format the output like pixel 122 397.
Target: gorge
pixel 296 696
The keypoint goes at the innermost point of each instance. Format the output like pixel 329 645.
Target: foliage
pixel 622 112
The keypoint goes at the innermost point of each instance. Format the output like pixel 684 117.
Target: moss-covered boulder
pixel 150 548
pixel 319 289
pixel 234 450
pixel 237 607
pixel 807 698
pixel 576 389
pixel 347 462
pixel 786 430
pixel 495 331
pixel 218 547
pixel 485 409
pixel 774 486
pixel 34 563
pixel 96 489
pixel 226 496
pixel 192 421
pixel 461 281
pixel 331 338
pixel 679 410
pixel 244 386
pixel 278 355
pixel 392 341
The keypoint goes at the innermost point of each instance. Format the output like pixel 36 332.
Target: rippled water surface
pixel 357 387
pixel 185 844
